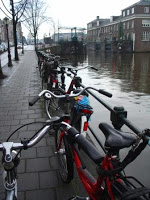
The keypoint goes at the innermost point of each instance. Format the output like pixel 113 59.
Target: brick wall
pixel 141 46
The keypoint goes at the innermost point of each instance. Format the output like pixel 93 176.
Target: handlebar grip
pixel 105 93
pixel 74 73
pixel 85 145
pixel 94 68
pixel 34 100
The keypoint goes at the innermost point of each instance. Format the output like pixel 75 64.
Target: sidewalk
pixel 38 176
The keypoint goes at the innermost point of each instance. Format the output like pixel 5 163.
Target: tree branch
pixel 5 7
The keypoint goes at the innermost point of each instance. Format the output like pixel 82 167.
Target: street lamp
pixel 22 43
pixel 9 55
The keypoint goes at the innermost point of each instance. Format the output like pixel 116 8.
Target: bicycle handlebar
pixel 34 100
pixel 48 95
pixel 87 147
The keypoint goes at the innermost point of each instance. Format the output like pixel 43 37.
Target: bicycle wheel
pixel 44 84
pixel 65 158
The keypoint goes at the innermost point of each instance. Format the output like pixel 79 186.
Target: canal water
pixel 127 77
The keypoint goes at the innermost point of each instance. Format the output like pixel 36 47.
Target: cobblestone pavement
pixel 38 176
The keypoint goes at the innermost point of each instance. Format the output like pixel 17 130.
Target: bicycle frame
pixel 10 183
pixel 93 187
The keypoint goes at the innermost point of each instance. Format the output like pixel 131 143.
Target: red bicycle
pixel 111 183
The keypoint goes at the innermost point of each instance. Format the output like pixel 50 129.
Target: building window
pixel 128 12
pixel 132 24
pixel 127 36
pixel 145 36
pixel 127 25
pixel 97 23
pixel 124 13
pixel 146 23
pixel 132 36
pixel 146 9
pixel 132 11
pixel 124 25
pixel 117 27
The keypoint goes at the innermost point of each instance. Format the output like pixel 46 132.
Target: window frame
pixel 145 36
pixel 132 10
pixel 146 9
pixel 146 23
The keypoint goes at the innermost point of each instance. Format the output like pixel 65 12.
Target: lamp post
pixel 9 55
pixel 22 43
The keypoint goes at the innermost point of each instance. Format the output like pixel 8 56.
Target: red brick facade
pixel 131 28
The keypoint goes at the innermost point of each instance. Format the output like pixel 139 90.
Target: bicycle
pixel 66 118
pixel 81 110
pixel 11 158
pixel 111 182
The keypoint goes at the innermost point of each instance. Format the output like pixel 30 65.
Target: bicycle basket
pixel 82 105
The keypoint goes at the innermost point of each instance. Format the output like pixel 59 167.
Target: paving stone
pixel 44 151
pixel 22 116
pixel 41 143
pixel 48 179
pixel 29 153
pixel 50 141
pixel 28 181
pixel 21 195
pixel 26 121
pixel 41 194
pixel 65 192
pixel 37 165
pixel 12 122
pixel 54 163
pixel 21 166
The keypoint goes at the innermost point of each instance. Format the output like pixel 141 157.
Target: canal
pixel 127 77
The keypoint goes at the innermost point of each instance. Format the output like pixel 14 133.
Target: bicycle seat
pixel 115 139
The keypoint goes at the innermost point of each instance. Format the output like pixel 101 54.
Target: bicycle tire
pixel 44 87
pixel 65 159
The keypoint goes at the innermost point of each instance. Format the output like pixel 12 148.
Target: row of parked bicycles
pixel 70 128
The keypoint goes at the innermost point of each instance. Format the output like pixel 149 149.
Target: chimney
pixel 97 17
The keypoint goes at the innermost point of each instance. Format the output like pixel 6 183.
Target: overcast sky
pixel 78 13
pixel 69 13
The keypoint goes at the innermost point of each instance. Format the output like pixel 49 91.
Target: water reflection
pixel 133 70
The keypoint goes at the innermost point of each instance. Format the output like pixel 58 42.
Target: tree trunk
pixel 14 32
pixel 35 42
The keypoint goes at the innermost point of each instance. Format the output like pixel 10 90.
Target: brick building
pixel 129 32
pixel 3 33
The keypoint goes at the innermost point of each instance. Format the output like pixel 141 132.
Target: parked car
pixel 19 45
pixel 11 44
pixel 1 49
pixel 5 46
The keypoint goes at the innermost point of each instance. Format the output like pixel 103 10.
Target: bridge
pixel 73 31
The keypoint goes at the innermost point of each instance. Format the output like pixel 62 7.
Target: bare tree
pixel 34 16
pixel 17 9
